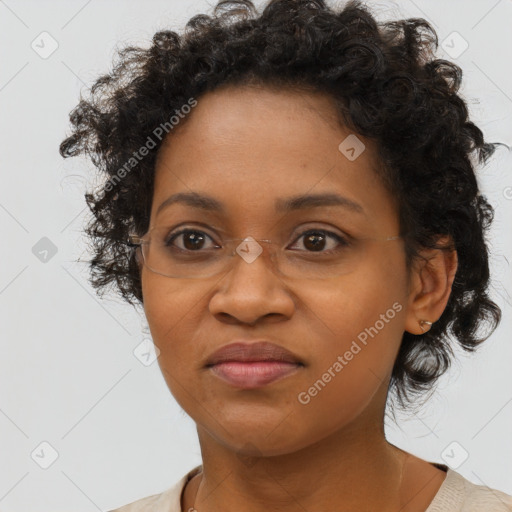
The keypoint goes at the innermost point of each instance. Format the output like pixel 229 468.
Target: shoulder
pixel 481 497
pixel 167 501
pixel 460 494
pixel 144 504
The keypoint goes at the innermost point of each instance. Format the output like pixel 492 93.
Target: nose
pixel 250 291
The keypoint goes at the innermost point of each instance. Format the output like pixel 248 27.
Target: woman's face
pixel 248 148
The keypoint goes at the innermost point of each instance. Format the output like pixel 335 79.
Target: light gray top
pixel 456 494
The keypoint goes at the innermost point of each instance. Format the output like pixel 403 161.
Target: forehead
pixel 249 147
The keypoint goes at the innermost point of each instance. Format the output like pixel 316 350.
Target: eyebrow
pixel 300 202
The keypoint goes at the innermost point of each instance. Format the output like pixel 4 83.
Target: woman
pixel 290 197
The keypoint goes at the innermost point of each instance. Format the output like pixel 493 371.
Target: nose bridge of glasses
pixel 250 249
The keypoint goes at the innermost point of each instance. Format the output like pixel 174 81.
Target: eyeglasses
pixel 161 254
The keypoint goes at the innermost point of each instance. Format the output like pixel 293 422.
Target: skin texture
pixel 262 449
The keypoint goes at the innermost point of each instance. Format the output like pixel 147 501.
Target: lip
pixel 252 364
pixel 255 374
pixel 245 352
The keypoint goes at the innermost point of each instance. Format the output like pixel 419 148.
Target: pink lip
pixel 252 365
pixel 255 374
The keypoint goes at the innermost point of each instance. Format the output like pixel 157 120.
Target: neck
pixel 352 469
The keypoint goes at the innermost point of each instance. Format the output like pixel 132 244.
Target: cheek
pixel 351 368
pixel 172 312
pixel 359 324
pixel 354 302
pixel 359 352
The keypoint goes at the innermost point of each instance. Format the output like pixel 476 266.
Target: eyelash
pixel 343 242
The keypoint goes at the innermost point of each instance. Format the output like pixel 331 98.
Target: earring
pixel 423 322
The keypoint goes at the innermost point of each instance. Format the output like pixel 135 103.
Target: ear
pixel 431 280
pixel 138 258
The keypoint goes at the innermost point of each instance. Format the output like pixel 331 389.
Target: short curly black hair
pixel 386 84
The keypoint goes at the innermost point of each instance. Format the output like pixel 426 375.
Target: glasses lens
pixel 192 253
pixel 318 260
pixel 189 253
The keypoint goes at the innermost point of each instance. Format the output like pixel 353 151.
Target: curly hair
pixel 386 84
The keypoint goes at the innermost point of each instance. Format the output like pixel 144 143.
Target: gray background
pixel 68 372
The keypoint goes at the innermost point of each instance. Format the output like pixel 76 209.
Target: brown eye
pixel 315 240
pixel 192 240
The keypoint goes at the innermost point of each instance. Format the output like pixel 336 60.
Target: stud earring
pixel 423 322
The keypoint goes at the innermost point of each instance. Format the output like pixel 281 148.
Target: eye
pixel 316 239
pixel 192 239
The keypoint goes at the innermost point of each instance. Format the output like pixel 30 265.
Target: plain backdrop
pixel 74 395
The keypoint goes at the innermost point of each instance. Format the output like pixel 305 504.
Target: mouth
pixel 253 374
pixel 253 365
